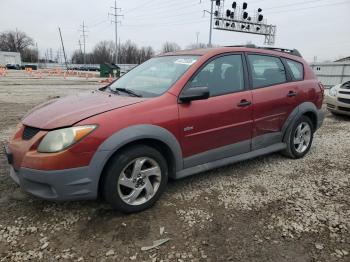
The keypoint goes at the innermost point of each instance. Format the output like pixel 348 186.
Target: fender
pixel 298 112
pixel 128 135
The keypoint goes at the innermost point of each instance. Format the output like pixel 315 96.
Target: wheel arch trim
pixel 303 108
pixel 129 135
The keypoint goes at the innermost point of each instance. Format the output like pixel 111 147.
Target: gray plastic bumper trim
pixel 68 184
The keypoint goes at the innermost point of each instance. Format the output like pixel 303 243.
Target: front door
pixel 220 126
pixel 274 98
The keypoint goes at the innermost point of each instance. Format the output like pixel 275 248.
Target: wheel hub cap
pixel 302 137
pixel 139 181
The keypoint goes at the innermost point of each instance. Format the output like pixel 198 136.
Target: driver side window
pixel 223 75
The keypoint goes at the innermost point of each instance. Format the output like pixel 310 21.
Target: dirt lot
pixel 267 209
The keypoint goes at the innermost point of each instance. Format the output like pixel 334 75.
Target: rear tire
pixel 135 178
pixel 299 138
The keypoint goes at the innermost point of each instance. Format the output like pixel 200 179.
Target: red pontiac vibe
pixel 173 116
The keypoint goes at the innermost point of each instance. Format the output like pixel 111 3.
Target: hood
pixel 69 110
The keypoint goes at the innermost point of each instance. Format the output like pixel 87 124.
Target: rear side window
pixel 223 75
pixel 266 70
pixel 297 69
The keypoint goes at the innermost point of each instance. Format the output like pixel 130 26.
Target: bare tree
pixel 145 53
pixel 170 47
pixel 30 55
pixel 197 46
pixel 129 53
pixel 77 57
pixel 15 41
pixel 103 52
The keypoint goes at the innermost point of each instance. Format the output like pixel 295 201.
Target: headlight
pixel 333 91
pixel 60 139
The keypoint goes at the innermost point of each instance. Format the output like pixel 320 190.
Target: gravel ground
pixel 267 209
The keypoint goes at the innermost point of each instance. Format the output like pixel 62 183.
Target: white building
pixel 13 58
pixel 332 73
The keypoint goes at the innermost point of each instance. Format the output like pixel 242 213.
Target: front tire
pixel 135 178
pixel 299 138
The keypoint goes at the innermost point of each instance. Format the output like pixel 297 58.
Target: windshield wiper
pixel 128 91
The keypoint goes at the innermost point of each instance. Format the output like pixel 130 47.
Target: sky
pixel 319 29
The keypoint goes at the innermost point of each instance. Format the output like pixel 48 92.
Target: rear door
pixel 220 126
pixel 274 98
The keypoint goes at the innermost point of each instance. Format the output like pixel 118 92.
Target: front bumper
pixel 58 185
pixel 335 106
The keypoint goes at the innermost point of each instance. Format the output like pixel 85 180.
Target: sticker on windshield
pixel 185 61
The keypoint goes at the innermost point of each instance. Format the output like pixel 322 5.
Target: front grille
pixel 330 106
pixel 344 109
pixel 344 92
pixel 29 132
pixel 344 100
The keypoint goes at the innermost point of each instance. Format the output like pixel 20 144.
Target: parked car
pixel 338 99
pixel 173 116
pixel 13 66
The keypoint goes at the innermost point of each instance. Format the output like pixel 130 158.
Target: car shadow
pixel 340 117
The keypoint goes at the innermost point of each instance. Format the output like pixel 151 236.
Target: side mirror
pixel 194 93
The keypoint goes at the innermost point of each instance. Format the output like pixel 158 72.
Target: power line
pixel 183 22
pixel 173 7
pixel 116 15
pixel 211 13
pixel 157 5
pixel 293 4
pixel 311 7
pixel 164 15
pixel 172 16
pixel 99 23
pixel 138 7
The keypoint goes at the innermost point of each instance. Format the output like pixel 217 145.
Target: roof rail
pixel 284 50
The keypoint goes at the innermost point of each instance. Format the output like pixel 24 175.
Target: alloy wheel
pixel 302 137
pixel 139 181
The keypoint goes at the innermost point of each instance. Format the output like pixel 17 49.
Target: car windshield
pixel 155 76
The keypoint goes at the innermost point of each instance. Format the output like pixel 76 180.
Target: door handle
pixel 244 103
pixel 292 93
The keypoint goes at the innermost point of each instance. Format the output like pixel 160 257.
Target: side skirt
pixel 229 160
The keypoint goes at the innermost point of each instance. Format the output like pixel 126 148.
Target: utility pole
pixel 81 51
pixel 197 42
pixel 37 51
pixel 211 21
pixel 64 52
pixel 119 49
pixel 116 15
pixel 83 30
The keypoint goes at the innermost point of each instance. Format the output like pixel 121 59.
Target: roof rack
pixel 284 50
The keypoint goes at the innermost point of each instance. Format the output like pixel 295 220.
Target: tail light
pixel 321 86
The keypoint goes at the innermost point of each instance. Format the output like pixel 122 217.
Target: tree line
pixel 128 53
pixel 18 41
pixel 102 52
